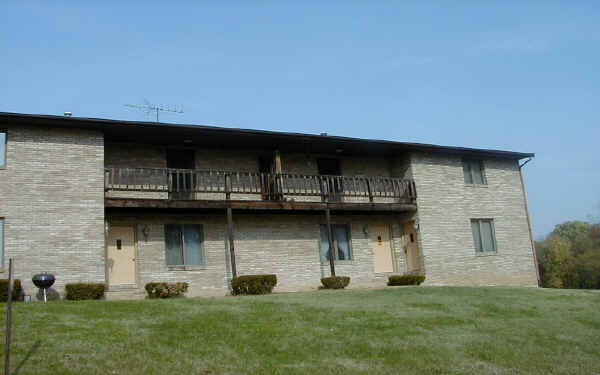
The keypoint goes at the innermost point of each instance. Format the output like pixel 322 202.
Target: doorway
pixel 381 246
pixel 120 256
pixel 331 187
pixel 411 248
pixel 267 179
pixel 181 181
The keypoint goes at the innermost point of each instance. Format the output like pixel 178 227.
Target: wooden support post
pixel 8 319
pixel 331 248
pixel 231 246
pixel 278 179
pixel 277 161
pixel 228 186
pixel 170 184
pixel 369 190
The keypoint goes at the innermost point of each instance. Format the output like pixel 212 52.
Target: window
pixel 341 241
pixel 1 242
pixel 483 235
pixel 473 170
pixel 183 244
pixel 3 138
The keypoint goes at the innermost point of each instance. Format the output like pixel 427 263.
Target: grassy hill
pixel 403 330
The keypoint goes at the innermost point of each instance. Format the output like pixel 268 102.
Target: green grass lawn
pixel 402 330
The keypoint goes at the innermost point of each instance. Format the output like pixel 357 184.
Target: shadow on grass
pixel 32 350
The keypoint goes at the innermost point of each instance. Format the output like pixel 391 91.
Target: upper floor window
pixel 183 245
pixel 341 242
pixel 483 235
pixel 473 170
pixel 2 148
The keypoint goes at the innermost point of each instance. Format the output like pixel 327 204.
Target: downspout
pixel 537 270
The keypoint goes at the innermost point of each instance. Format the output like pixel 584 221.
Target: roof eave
pixel 123 125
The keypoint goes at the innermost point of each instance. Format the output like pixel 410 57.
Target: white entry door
pixel 121 256
pixel 381 246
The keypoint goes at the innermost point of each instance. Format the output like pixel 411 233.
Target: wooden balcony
pixel 191 188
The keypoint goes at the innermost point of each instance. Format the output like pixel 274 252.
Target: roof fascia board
pixel 116 125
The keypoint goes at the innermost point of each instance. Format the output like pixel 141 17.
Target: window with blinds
pixel 184 245
pixel 473 171
pixel 483 235
pixel 341 242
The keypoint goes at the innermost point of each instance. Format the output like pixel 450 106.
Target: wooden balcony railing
pixel 185 183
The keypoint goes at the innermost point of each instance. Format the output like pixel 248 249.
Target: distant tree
pixel 541 251
pixel 569 257
pixel 557 262
pixel 595 233
pixel 588 270
pixel 577 233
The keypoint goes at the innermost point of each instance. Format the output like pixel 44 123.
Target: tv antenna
pixel 149 108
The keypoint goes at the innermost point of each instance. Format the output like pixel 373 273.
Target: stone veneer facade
pixel 446 206
pixel 52 200
pixel 286 245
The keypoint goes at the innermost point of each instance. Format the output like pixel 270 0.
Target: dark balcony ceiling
pixel 174 135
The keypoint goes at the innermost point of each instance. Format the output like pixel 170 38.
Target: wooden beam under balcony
pixel 257 205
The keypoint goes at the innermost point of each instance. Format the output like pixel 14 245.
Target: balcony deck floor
pixel 257 205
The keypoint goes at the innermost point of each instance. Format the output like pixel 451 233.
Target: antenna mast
pixel 151 108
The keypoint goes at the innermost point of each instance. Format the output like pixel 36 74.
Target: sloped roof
pixel 221 137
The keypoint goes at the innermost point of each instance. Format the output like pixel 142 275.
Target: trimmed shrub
pixel 82 291
pixel 335 282
pixel 253 284
pixel 405 280
pixel 166 290
pixel 16 293
pixel 51 295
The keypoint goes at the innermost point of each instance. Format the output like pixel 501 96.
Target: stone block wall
pixel 52 201
pixel 286 245
pixel 446 206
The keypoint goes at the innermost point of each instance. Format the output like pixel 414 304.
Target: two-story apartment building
pixel 125 203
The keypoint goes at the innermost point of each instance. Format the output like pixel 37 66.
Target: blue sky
pixel 511 75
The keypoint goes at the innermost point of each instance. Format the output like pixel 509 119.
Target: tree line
pixel 569 257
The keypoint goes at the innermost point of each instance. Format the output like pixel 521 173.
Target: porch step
pixel 116 288
pixel 124 294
